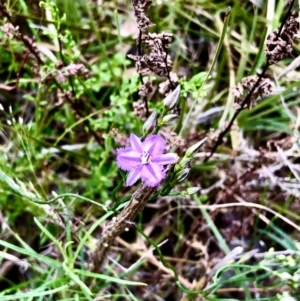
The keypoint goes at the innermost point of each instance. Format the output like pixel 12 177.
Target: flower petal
pixel 154 145
pixel 128 159
pixel 136 143
pixel 152 174
pixel 165 159
pixel 133 176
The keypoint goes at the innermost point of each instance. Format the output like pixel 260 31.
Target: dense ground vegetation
pixel 218 81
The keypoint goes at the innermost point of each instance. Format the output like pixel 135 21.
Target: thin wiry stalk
pixel 139 48
pixel 247 99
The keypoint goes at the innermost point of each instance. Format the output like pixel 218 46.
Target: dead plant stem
pixel 118 224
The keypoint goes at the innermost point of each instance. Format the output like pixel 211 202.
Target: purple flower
pixel 145 160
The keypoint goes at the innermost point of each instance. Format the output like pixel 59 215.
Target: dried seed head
pixel 140 7
pixel 157 61
pixel 280 44
pixel 77 70
pixel 120 139
pixel 139 109
pixel 263 88
pixel 10 31
pixel 146 89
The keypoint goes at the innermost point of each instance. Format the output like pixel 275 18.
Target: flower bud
pixel 150 123
pixel 182 174
pixel 192 151
pixel 192 190
pixel 183 162
pixel 171 100
pixel 168 118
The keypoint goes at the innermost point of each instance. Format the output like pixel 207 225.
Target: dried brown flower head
pixel 263 88
pixel 280 44
pixel 140 7
pixel 120 139
pixel 139 109
pixel 157 61
pixel 77 70
pixel 10 31
pixel 146 89
pixel 167 86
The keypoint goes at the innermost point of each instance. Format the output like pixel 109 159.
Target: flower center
pixel 145 158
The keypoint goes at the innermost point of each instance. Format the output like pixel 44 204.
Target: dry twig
pixel 115 227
